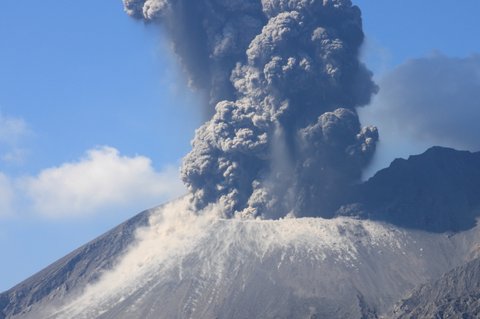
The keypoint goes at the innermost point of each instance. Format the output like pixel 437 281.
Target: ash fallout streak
pixel 283 80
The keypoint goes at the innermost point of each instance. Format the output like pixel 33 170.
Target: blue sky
pixel 85 89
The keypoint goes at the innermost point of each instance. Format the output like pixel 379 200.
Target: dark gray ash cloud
pixel 433 101
pixel 283 79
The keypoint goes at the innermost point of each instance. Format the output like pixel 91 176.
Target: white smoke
pixel 173 232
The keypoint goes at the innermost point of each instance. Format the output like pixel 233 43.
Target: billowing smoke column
pixel 283 79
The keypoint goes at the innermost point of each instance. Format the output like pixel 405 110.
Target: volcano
pixel 276 222
pixel 170 262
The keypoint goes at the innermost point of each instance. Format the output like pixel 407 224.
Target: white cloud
pixel 103 180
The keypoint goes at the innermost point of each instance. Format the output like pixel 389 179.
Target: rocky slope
pixel 455 295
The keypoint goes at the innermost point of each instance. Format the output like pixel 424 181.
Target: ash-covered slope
pixel 189 266
pixel 455 295
pixel 72 272
pixel 177 263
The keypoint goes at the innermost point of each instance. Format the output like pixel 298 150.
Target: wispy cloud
pixel 13 131
pixel 7 195
pixel 15 155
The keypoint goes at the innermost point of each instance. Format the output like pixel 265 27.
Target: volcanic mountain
pixel 276 223
pixel 416 241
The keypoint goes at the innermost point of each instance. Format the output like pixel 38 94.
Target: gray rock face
pixel 455 295
pixel 436 191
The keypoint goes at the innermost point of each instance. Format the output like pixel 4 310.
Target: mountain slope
pixel 188 266
pixel 340 268
pixel 82 266
pixel 455 295
pixel 172 262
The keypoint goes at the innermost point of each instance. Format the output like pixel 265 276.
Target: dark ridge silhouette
pixel 437 191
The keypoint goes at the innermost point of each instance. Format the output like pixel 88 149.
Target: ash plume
pixel 283 79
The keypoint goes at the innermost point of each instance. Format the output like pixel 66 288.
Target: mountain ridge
pixel 436 191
